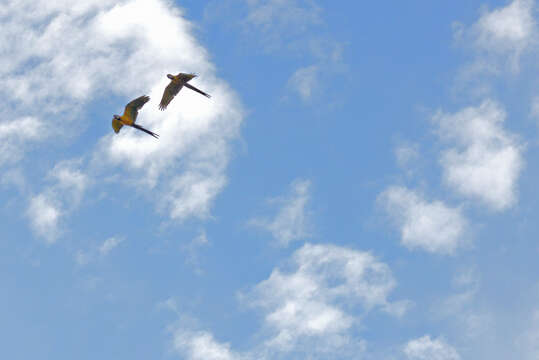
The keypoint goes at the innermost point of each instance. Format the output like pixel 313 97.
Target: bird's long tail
pixel 197 90
pixel 146 131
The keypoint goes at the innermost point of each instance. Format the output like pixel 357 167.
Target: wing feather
pixel 131 109
pixel 171 90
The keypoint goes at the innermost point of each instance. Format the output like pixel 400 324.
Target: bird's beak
pixel 170 76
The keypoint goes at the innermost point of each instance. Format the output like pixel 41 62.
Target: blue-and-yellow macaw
pixel 176 84
pixel 130 116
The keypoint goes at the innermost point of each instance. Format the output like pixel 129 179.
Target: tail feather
pixel 146 131
pixel 197 90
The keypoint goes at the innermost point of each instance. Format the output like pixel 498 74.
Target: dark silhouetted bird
pixel 176 84
pixel 130 116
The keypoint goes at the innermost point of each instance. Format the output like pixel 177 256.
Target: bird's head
pixel 186 77
pixel 170 76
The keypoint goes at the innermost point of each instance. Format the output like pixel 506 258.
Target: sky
pixel 360 185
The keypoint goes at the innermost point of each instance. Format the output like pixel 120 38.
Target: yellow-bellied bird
pixel 176 84
pixel 130 116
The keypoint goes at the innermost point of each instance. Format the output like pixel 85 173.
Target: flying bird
pixel 130 116
pixel 176 84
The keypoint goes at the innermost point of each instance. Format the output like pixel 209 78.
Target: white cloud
pixel 15 134
pixel 307 309
pixel 425 348
pixel 57 200
pixel 292 220
pixel 305 81
pixel 70 180
pixel 288 26
pixel 506 32
pixel 311 311
pixel 200 345
pixel 191 194
pixel 485 160
pixel 109 244
pixel 44 217
pixel 431 226
pixel 122 50
pixel 509 27
pixel 27 127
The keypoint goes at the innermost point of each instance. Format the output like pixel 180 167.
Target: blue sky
pixel 361 185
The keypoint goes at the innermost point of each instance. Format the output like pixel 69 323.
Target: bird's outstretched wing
pixel 197 90
pixel 116 125
pixel 146 131
pixel 171 90
pixel 131 109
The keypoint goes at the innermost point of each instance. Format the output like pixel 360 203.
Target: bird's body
pixel 130 116
pixel 174 87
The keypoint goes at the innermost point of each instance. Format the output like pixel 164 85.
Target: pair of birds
pixel 131 110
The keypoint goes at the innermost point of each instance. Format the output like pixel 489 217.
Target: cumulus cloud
pixel 425 348
pixel 122 50
pixel 292 219
pixel 200 345
pixel 46 209
pixel 308 308
pixel 507 28
pixel 506 31
pixel 15 134
pixel 431 226
pixel 70 180
pixel 44 217
pixel 485 160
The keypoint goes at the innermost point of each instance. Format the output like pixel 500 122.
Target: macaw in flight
pixel 176 84
pixel 130 116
